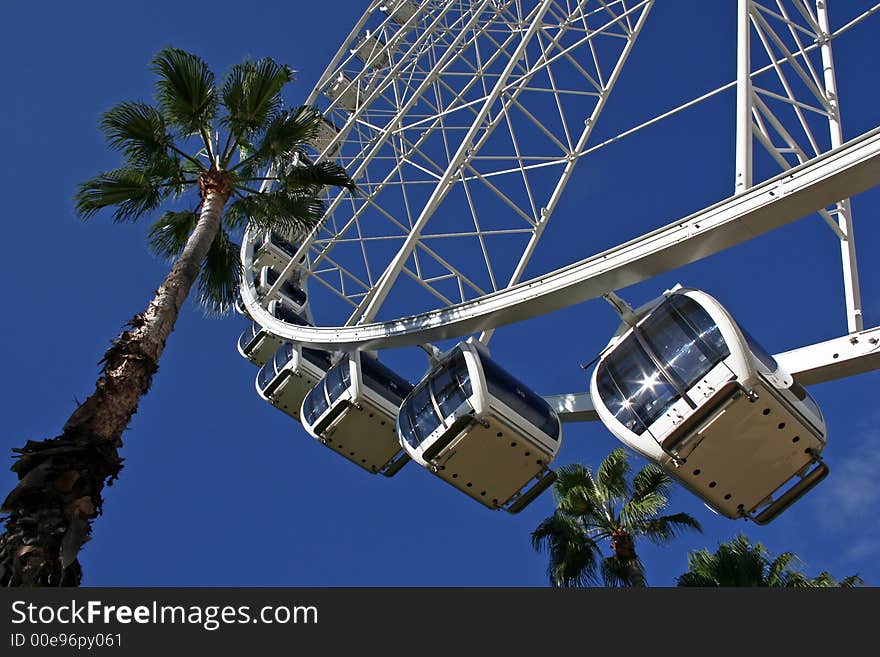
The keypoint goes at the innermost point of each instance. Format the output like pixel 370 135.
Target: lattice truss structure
pixel 461 121
pixel 789 105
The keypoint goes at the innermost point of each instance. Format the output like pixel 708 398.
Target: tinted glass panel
pixel 697 317
pixel 687 352
pixel 531 406
pixel 615 402
pixel 337 380
pixel 643 389
pixel 383 380
pixel 451 384
pixel 283 355
pixel 286 314
pixel 317 357
pixel 265 375
pixel 417 416
pixel 296 294
pixel 810 403
pixel 287 288
pixel 248 335
pixel 803 396
pixel 281 243
pixel 759 352
pixel 314 404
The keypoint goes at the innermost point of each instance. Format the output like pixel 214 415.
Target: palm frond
pixel 619 573
pixel 572 554
pixel 696 580
pixel 702 570
pixel 734 563
pixel 252 94
pixel 286 134
pixel 662 529
pixel 575 491
pixel 651 479
pixel 282 210
pixel 185 90
pixel 219 275
pixel 168 235
pixel 132 192
pixel 780 571
pixel 573 475
pixel 639 509
pixel 611 475
pixel 138 130
pixel 740 563
pixel 317 176
pixel 850 582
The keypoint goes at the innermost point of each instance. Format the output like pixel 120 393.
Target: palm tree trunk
pixel 61 479
pixel 624 548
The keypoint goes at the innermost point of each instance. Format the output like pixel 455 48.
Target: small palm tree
pixel 742 563
pixel 205 148
pixel 591 509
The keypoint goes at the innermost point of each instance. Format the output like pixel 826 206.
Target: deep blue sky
pixel 221 489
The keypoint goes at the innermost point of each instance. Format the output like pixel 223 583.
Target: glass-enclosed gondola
pixel 370 50
pixel 343 92
pixel 400 10
pixel 353 410
pixel 273 250
pixel 288 376
pixel 686 386
pixel 257 344
pixel 325 134
pixel 478 428
pixel 289 292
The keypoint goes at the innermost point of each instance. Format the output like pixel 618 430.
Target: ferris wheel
pixel 462 122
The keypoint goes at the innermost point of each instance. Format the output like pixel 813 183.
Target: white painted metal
pixel 838 358
pixel 731 425
pixel 286 378
pixel 743 99
pixel 798 192
pixel 852 294
pixel 480 430
pixel 483 38
pixel 805 87
pixel 428 84
pixel 376 296
pixel 358 420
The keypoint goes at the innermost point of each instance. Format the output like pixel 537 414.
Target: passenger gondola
pixel 344 92
pixel 687 387
pixel 290 293
pixel 272 250
pixel 285 380
pixel 400 10
pixel 370 50
pixel 325 134
pixel 478 428
pixel 353 410
pixel 257 344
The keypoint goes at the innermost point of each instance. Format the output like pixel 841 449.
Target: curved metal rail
pixel 845 171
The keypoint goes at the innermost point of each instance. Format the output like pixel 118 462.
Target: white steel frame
pixel 430 102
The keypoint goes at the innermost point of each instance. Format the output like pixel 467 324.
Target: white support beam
pixel 376 297
pixel 842 172
pixel 852 293
pixel 834 359
pixel 573 407
pixel 841 357
pixel 743 100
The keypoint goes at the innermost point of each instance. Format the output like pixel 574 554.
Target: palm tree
pixel 205 148
pixel 741 563
pixel 591 509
